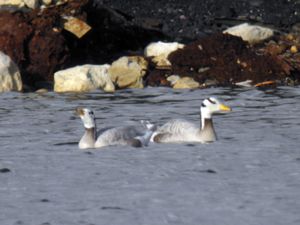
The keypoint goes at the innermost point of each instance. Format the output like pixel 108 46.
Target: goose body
pixel 180 130
pixel 136 136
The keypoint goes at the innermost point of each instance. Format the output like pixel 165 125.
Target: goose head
pixel 211 106
pixel 87 116
pixel 88 119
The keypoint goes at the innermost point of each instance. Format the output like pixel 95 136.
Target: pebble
pixel 294 49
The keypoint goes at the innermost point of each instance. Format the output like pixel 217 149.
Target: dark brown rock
pixel 14 35
pixel 226 59
pixel 156 77
pixel 32 42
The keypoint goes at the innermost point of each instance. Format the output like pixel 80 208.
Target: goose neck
pixel 206 117
pixel 88 139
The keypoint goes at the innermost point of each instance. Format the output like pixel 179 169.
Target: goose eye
pixel 203 105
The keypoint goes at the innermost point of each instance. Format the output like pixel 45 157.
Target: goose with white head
pixel 126 135
pixel 180 130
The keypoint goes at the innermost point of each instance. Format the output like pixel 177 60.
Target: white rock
pixel 182 82
pixel 128 71
pixel 246 83
pixel 159 52
pixel 46 2
pixel 18 3
pixel 21 3
pixel 10 78
pixel 83 79
pixel 251 33
pixel 33 4
pixel 173 79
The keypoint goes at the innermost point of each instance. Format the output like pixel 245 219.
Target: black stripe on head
pixel 211 101
pixel 203 105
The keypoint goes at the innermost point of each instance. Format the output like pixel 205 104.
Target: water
pixel 250 176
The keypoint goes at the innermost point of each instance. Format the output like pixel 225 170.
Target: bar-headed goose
pixel 179 130
pixel 126 135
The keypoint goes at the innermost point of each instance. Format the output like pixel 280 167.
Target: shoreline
pixel 110 31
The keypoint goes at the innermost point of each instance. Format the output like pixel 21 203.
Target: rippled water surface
pixel 251 175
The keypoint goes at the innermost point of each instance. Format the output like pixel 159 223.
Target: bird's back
pixel 178 126
pixel 117 136
pixel 177 130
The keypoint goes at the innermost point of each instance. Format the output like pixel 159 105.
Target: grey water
pixel 250 176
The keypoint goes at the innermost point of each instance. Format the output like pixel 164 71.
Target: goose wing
pixel 177 130
pixel 177 126
pixel 118 136
pixel 102 130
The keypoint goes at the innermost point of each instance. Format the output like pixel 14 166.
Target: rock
pixel 21 3
pixel 275 49
pixel 230 60
pixel 285 51
pixel 33 4
pixel 42 91
pixel 128 72
pixel 83 79
pixel 158 77
pixel 56 2
pixel 173 79
pixel 246 83
pixel 265 83
pixel 10 78
pixel 251 33
pixel 60 2
pixel 182 82
pixel 29 39
pixel 76 26
pixel 14 30
pixel 159 52
pixel 16 3
pixel 209 83
pixel 294 49
pixel 46 2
